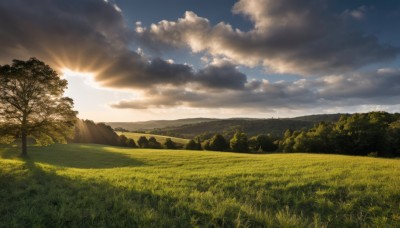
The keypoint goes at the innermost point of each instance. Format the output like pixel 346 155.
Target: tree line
pixel 373 133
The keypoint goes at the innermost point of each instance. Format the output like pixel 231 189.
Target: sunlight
pixel 68 72
pixel 87 76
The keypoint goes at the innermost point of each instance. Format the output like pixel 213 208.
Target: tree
pixel 131 143
pixel 169 144
pixel 218 143
pixel 122 141
pixel 239 142
pixel 32 104
pixel 393 138
pixel 362 133
pixel 262 143
pixel 153 143
pixel 143 142
pixel 192 145
pixel 87 131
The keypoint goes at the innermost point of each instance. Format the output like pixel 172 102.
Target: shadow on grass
pixel 83 156
pixel 32 196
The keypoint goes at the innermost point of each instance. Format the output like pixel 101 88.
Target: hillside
pixel 227 127
pixel 250 126
pixel 320 117
pixel 86 185
pixel 146 125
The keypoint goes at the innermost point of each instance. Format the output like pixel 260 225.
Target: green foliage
pixel 251 127
pixel 143 142
pixel 160 138
pixel 82 185
pixel 153 143
pixel 239 142
pixel 357 134
pixel 217 143
pixel 169 144
pixel 87 131
pixel 262 143
pixel 192 145
pixel 131 143
pixel 120 129
pixel 393 138
pixel 122 141
pixel 32 104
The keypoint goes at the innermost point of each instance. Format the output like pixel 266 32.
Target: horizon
pixel 129 61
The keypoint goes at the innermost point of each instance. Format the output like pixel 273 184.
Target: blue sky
pixel 142 60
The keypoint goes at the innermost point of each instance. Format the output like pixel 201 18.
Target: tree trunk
pixel 24 149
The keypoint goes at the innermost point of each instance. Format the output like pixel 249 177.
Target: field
pixel 83 185
pixel 160 138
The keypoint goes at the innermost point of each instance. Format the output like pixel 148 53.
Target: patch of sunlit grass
pixel 94 185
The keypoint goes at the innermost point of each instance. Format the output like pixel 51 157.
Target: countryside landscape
pixel 239 113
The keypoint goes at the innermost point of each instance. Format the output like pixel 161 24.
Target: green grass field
pixel 83 185
pixel 160 138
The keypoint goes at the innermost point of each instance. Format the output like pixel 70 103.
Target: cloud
pixel 380 87
pixel 288 37
pixel 92 36
pixel 358 14
pixel 224 75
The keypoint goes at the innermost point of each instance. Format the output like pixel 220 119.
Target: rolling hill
pixel 250 126
pixel 189 128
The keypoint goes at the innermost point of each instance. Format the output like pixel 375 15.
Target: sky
pixel 156 59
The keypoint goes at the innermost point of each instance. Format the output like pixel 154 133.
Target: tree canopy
pixel 239 142
pixel 357 134
pixel 32 104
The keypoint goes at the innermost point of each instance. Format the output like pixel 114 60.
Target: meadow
pixel 86 185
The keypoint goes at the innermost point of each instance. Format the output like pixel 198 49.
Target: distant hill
pixel 250 126
pixel 189 128
pixel 320 117
pixel 228 127
pixel 152 124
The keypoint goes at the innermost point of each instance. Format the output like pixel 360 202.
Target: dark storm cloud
pixel 301 37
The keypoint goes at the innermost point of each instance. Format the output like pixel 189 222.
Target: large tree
pixel 32 104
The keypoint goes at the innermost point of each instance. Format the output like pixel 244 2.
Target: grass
pixel 159 138
pixel 85 185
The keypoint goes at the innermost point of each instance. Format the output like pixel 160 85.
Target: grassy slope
pixel 160 138
pixel 94 185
